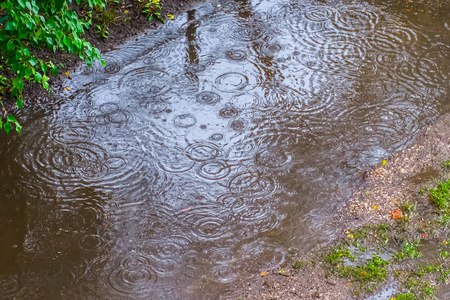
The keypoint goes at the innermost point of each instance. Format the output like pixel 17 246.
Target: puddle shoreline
pixel 399 181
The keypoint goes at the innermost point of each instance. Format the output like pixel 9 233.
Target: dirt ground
pixel 119 33
pixel 399 180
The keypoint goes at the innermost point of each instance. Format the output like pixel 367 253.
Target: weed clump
pixel 372 271
pixel 409 250
pixel 406 296
pixel 338 254
pixel 440 196
pixel 446 164
pixel 297 265
pixel 367 276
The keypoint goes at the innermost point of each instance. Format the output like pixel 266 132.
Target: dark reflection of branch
pixel 245 9
pixel 191 33
pixel 265 63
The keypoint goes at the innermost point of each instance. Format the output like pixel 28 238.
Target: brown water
pixel 206 149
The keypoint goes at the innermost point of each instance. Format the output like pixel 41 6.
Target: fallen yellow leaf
pixel 350 236
pixel 375 207
pixel 444 243
pixel 263 273
pixel 67 88
pixel 170 17
pixel 126 11
pixel 384 162
pixel 67 74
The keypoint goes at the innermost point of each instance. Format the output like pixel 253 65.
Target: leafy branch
pixel 50 24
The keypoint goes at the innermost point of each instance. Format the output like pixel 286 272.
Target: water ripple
pixel 253 184
pixel 134 275
pixel 202 151
pixel 213 170
pixel 91 242
pixel 256 219
pixel 205 224
pixel 356 18
pixel 236 55
pixel 84 160
pixel 229 111
pixel 173 160
pixel 185 120
pixel 9 287
pixel 146 80
pixel 318 13
pixel 231 81
pixel 273 158
pixel 208 97
pixel 72 131
pixel 423 71
pixel 248 32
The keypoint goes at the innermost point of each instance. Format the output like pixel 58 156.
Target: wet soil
pixel 119 32
pixel 405 178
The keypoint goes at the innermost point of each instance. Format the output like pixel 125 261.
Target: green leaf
pixel 37 77
pixel 44 68
pixel 33 61
pixel 55 71
pixel 10 26
pixel 18 128
pixel 3 36
pixel 11 119
pixel 19 103
pixel 7 127
pixel 10 45
pixel 2 20
pixel 103 62
pixel 59 4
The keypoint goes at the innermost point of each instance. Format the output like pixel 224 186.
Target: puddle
pixel 205 149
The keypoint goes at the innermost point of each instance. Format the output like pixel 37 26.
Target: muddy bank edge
pixel 396 194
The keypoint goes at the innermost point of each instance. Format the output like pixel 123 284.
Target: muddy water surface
pixel 206 149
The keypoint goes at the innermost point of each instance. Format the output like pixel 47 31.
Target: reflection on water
pixel 202 151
